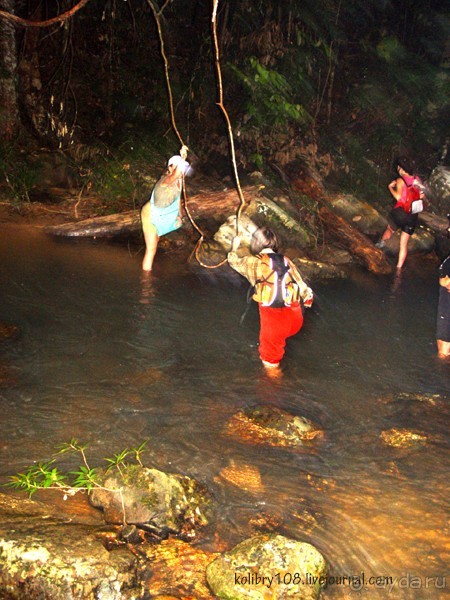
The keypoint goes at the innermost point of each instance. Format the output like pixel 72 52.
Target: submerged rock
pixel 403 438
pixel 272 426
pixel 243 476
pixel 268 566
pixel 161 503
pixel 408 397
pixel 176 570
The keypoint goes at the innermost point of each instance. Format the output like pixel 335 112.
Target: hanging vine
pixel 184 149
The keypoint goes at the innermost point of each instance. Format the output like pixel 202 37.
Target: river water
pixel 112 358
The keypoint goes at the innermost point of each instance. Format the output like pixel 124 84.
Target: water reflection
pixel 114 358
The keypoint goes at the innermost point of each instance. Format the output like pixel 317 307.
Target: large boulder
pixel 439 189
pixel 361 215
pixel 160 502
pixel 268 566
pixel 227 231
pixel 46 555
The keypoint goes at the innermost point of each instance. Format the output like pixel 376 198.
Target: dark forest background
pixel 334 89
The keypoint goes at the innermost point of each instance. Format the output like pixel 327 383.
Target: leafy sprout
pixel 46 475
pixel 117 460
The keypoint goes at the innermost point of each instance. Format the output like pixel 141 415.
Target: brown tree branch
pixel 59 19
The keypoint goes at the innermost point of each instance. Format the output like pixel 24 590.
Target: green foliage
pixel 258 160
pixel 18 174
pixel 390 49
pixel 271 100
pixel 120 175
pixel 46 475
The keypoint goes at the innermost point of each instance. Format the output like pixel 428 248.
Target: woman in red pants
pixel 278 289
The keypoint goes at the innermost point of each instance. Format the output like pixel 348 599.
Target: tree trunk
pixel 216 206
pixel 30 88
pixel 9 108
pixel 357 243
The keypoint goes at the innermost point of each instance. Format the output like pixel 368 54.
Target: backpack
pixel 413 203
pixel 277 289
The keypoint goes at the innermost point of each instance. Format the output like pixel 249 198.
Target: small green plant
pixel 46 475
pixel 18 174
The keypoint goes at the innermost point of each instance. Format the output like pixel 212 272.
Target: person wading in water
pixel 401 217
pixel 278 289
pixel 161 214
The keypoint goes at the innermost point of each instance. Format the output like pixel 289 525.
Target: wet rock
pixel 226 232
pixel 281 219
pixel 243 476
pixel 334 255
pixel 174 568
pixel 403 438
pixel 268 566
pixel 43 556
pixel 422 241
pixel 361 215
pixel 272 426
pixel 312 270
pixel 409 398
pixel 265 522
pixel 162 503
pixel 404 410
pixel 439 184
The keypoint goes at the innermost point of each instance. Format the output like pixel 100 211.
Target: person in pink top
pixel 400 216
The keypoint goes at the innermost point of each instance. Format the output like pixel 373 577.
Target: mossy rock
pixel 268 566
pixel 272 426
pixel 49 559
pixel 159 502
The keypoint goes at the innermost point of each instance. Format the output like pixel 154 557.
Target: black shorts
pixel 443 315
pixel 407 222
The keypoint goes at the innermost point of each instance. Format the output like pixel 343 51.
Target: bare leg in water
pixel 403 252
pixel 150 236
pixel 151 245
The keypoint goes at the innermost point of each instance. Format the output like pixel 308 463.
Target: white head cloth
pixel 180 163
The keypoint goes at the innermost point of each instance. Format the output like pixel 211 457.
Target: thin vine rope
pixel 184 148
pixel 225 113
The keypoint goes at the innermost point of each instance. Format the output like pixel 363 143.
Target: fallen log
pixel 106 226
pixel 356 242
pixel 217 205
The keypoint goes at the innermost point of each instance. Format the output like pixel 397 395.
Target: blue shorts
pixel 166 219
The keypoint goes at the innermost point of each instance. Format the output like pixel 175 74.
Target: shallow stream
pixel 113 358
